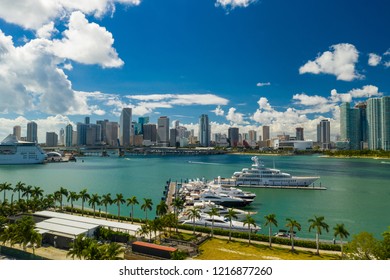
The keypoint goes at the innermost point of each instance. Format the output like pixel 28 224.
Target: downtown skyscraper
pixel 163 131
pixel 353 125
pixel 125 127
pixel 323 134
pixel 204 130
pixel 32 132
pixel 367 124
pixel 378 123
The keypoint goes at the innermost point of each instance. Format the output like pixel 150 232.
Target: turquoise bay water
pixel 358 193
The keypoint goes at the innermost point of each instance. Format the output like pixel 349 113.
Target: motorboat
pixel 222 199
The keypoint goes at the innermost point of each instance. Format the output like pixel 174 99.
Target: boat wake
pixel 201 162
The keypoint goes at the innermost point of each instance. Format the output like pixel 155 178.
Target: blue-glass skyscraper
pixel 204 131
pixel 378 120
pixel 353 125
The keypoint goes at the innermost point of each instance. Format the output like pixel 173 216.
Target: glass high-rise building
pixel 353 125
pixel 378 123
pixel 204 131
pixel 125 127
pixel 233 136
pixel 150 132
pixel 163 130
pixel 141 122
pixel 299 133
pixel 69 135
pixel 323 134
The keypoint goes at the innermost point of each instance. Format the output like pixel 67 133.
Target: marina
pixel 360 202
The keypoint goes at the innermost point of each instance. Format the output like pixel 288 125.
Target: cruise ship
pixel 260 176
pixel 13 151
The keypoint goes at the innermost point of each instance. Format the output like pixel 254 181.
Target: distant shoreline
pixel 355 157
pixel 321 156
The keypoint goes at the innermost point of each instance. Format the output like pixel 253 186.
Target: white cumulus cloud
pixel 87 43
pixel 339 61
pixel 374 59
pixel 235 118
pixel 34 14
pixel 218 111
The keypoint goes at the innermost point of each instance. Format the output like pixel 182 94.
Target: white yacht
pixel 206 206
pixel 220 222
pixel 222 199
pixel 261 176
pixel 231 191
pixel 13 151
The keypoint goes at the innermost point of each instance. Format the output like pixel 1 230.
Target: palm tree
pixel 213 212
pixel 132 201
pixel 106 199
pixel 269 221
pixel 78 246
pixel 57 197
pixel 118 201
pixel 156 225
pixel 193 214
pixel 169 220
pixel 161 208
pixel 178 205
pixel 94 200
pixel 35 240
pixel 147 206
pixel 318 224
pixel 73 196
pixel 4 187
pixel 27 191
pixel 339 230
pixel 144 230
pixel 37 192
pixel 231 214
pixel 249 221
pixel 48 201
pixel 113 250
pixel 62 192
pixel 84 197
pixel 18 188
pixel 291 224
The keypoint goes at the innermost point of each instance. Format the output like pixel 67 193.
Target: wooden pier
pixel 171 194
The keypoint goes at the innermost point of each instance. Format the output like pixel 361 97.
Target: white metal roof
pixel 50 227
pixel 94 221
pixel 71 223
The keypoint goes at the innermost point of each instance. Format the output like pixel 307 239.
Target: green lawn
pixel 218 249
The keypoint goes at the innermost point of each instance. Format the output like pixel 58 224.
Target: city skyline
pixel 246 64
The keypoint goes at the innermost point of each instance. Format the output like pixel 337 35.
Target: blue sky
pixel 246 63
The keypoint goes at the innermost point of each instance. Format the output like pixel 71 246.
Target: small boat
pixel 284 233
pixel 231 191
